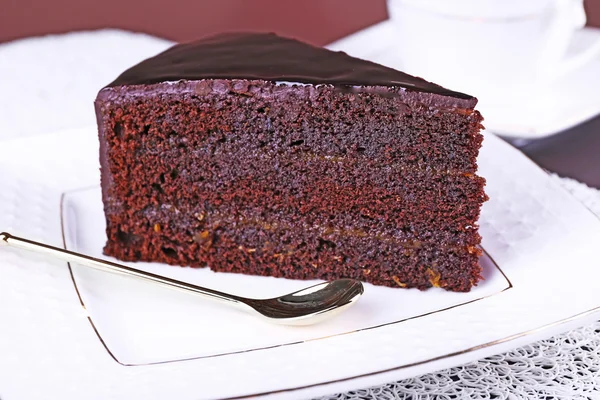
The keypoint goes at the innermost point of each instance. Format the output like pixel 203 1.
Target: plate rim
pixel 458 353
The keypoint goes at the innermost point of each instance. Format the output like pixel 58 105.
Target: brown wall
pixel 593 11
pixel 316 21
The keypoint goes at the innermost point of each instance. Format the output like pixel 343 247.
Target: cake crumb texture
pixel 294 181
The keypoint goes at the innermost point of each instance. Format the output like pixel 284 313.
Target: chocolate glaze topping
pixel 271 58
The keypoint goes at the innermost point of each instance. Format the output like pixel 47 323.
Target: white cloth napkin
pixel 49 83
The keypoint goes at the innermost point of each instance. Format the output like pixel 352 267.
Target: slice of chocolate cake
pixel 256 154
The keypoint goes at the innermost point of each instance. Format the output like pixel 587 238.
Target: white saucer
pixel 571 100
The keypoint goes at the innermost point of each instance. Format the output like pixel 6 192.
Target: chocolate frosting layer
pixel 266 56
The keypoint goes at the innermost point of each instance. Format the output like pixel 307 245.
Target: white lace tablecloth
pixel 48 84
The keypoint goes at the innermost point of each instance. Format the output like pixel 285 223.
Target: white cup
pixel 488 48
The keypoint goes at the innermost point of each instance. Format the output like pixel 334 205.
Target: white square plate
pixel 542 240
pixel 141 323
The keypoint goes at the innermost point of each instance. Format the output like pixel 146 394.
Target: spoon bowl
pixel 310 305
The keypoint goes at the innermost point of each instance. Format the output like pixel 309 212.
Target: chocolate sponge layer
pixel 295 180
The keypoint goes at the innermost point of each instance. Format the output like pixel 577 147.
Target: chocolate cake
pixel 257 154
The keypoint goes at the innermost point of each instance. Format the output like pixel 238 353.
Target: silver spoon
pixel 304 307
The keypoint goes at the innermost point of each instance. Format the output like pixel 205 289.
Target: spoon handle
pixel 104 265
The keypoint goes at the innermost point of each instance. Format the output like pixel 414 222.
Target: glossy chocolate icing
pixel 266 56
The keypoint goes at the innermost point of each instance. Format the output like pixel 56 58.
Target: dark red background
pixel 315 21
